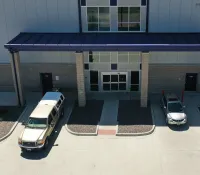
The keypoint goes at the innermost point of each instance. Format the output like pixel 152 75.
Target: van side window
pixel 58 104
pixel 62 98
pixel 50 119
pixel 53 112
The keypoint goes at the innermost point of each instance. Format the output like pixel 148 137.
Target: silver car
pixel 173 110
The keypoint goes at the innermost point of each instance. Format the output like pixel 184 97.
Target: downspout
pixel 15 77
pixel 79 16
pixel 147 17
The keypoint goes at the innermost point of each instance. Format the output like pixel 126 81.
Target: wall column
pixel 80 79
pixel 144 79
pixel 15 66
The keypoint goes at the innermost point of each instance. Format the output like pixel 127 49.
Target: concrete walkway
pixel 108 122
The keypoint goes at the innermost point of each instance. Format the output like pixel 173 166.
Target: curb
pixel 77 133
pixel 15 125
pixel 142 133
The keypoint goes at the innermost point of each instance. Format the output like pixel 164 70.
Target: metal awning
pixel 105 42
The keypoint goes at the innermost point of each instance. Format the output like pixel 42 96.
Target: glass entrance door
pixel 114 81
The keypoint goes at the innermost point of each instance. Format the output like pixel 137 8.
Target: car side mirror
pixel 24 122
pixel 164 107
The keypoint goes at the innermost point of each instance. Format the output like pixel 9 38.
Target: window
pixel 50 119
pixel 143 2
pixel 103 57
pixel 114 81
pixel 86 66
pixel 113 66
pixel 113 2
pixel 93 57
pixel 98 18
pixel 134 81
pixel 37 122
pixel 83 2
pixel 53 112
pixel 62 98
pixel 128 18
pixel 94 81
pixel 58 104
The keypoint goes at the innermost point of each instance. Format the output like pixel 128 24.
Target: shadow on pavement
pixel 179 128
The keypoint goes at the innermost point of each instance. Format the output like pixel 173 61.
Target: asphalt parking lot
pixel 169 150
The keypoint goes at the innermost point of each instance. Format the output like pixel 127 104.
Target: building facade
pixel 104 71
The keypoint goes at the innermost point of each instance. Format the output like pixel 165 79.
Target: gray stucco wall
pixel 35 16
pixel 174 16
pixel 169 77
pixel 6 79
pixel 31 75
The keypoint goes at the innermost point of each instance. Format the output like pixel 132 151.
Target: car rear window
pixel 172 99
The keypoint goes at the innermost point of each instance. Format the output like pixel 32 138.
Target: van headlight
pixel 40 142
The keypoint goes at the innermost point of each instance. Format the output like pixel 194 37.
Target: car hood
pixel 32 134
pixel 177 116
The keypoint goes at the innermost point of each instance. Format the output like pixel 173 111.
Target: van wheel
pixel 46 144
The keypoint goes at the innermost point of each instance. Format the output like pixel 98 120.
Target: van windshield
pixel 37 122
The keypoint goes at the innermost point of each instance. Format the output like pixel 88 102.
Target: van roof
pixel 42 111
pixel 50 98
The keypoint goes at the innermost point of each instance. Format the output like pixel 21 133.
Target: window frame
pixel 98 18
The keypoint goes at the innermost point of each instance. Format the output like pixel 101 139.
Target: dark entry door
pixel 190 82
pixel 46 81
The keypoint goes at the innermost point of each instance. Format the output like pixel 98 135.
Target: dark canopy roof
pixel 105 42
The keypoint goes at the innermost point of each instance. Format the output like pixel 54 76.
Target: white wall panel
pixel 31 14
pixel 52 13
pixel 163 18
pixel 41 11
pixel 185 16
pixel 153 15
pixel 174 16
pixel 36 16
pixel 3 34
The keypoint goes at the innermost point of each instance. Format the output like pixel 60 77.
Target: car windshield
pixel 175 107
pixel 37 123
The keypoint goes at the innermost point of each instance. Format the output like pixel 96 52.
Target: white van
pixel 42 122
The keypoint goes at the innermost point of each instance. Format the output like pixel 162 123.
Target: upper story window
pixel 98 18
pixel 128 18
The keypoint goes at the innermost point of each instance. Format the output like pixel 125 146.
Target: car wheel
pixel 46 143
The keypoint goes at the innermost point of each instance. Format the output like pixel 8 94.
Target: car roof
pixel 171 97
pixel 42 111
pixel 50 98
